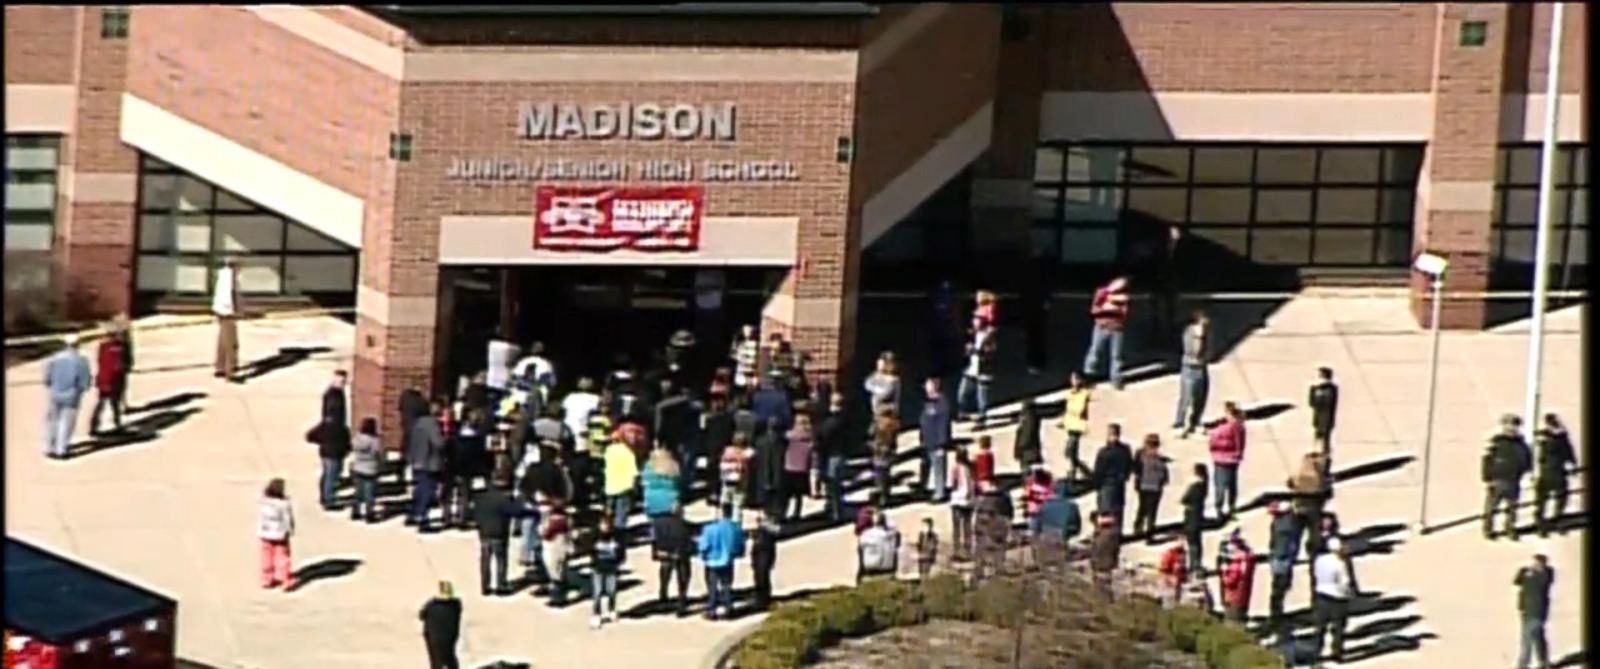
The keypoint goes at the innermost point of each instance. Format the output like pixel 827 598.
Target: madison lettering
pixel 647 121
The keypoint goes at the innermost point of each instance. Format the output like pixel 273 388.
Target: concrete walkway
pixel 177 512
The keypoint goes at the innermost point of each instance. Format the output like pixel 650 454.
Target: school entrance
pixel 590 317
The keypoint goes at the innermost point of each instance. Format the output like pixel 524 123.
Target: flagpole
pixel 1541 253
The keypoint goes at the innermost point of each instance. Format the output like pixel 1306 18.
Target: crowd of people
pixel 520 454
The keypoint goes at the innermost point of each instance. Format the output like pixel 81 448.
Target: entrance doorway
pixel 588 317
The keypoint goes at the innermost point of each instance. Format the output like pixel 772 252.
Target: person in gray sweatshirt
pixel 365 465
pixel 66 379
pixel 425 454
pixel 1194 382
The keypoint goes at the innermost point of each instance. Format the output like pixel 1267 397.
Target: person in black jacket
pixel 763 559
pixel 333 400
pixel 1194 516
pixel 1027 448
pixel 1113 464
pixel 677 426
pixel 493 510
pixel 1324 402
pixel 467 460
pixel 413 405
pixel 716 434
pixel 441 627
pixel 829 453
pixel 1556 463
pixel 333 444
pixel 1504 463
pixel 1533 603
pixel 766 473
pixel 672 545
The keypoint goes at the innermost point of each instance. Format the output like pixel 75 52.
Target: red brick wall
pixel 1574 38
pixel 1241 47
pixel 41 43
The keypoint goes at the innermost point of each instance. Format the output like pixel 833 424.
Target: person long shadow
pixel 1256 412
pixel 580 588
pixel 323 570
pixel 1563 523
pixel 1386 634
pixel 1365 469
pixel 1574 659
pixel 145 429
pixel 168 402
pixel 284 358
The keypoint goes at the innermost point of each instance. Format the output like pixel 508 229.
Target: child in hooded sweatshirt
pixel 1035 493
pixel 927 549
pixel 735 462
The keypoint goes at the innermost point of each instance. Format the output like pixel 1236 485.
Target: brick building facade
pixel 180 133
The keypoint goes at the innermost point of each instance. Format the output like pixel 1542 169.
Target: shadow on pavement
pixel 323 570
pixel 145 429
pixel 1573 659
pixel 1385 633
pixel 284 358
pixel 168 402
pixel 1564 523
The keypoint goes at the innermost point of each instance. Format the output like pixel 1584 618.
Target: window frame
pixel 1569 190
pixel 46 217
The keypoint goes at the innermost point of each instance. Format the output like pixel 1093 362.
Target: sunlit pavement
pixel 177 513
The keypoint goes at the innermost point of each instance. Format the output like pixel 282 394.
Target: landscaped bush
pixel 1111 632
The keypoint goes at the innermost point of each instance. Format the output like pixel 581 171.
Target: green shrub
pixel 1137 618
pixel 1252 656
pixel 1215 642
pixel 843 613
pixel 804 613
pixel 890 603
pixel 776 644
pixel 945 596
pixel 1183 627
pixel 998 602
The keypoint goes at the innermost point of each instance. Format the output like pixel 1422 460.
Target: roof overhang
pixel 765 9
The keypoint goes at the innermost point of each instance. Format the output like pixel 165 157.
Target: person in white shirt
pixel 497 374
pixel 225 306
pixel 578 405
pixel 536 372
pixel 1333 587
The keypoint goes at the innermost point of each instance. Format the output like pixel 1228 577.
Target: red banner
pixel 643 218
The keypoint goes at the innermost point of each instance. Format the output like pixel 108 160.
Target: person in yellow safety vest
pixel 1075 420
pixel 621 474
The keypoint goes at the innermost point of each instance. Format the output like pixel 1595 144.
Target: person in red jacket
pixel 1109 308
pixel 983 462
pixel 1227 450
pixel 110 380
pixel 1174 570
pixel 1238 574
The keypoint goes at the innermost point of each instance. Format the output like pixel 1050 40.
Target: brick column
pixel 1456 189
pixel 815 306
pixel 1002 187
pixel 99 183
pixel 397 306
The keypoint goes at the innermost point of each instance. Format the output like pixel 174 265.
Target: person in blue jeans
pixel 1194 381
pixel 721 543
pixel 1109 308
pixel 333 444
pixel 829 454
pixel 935 431
pixel 66 379
pixel 425 454
pixel 608 557
pixel 977 376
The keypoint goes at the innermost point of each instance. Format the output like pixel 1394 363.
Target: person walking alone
pixel 225 306
pixel 274 526
pixel 1194 517
pixel 1075 421
pixel 1109 308
pixel 66 379
pixel 1533 604
pixel 1194 379
pixel 441 627
pixel 1504 463
pixel 365 466
pixel 1227 442
pixel 1556 462
pixel 1149 480
pixel 672 544
pixel 1113 464
pixel 110 380
pixel 1324 402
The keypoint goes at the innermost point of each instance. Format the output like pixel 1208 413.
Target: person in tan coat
pixel 225 306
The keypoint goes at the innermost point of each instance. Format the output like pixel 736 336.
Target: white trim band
pixel 48 108
pixel 905 192
pixel 1187 116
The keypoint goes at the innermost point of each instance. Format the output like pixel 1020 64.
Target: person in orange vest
pixel 1109 308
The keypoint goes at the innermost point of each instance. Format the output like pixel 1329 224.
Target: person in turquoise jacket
pixel 660 483
pixel 721 543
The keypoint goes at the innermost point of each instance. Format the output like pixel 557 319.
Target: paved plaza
pixel 177 512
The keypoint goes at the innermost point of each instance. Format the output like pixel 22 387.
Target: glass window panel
pixel 1152 164
pixel 1089 245
pixel 1347 205
pixel 192 232
pixel 157 232
pixel 1097 164
pixel 261 275
pixel 1523 168
pixel 1342 247
pixel 1399 206
pixel 1283 206
pixel 1046 202
pixel 1092 203
pixel 1044 238
pixel 31 158
pixel 232 203
pixel 157 192
pixel 1047 164
pixel 154 164
pixel 1563 166
pixel 1229 206
pixel 1521 206
pixel 172 274
pixel 1578 247
pixel 1580 207
pixel 1394 247
pixel 1166 204
pixel 1351 166
pixel 1232 240
pixel 193 194
pixel 1286 166
pixel 250 233
pixel 319 274
pixel 1222 165
pixel 32 141
pixel 35 196
pixel 28 236
pixel 302 238
pixel 1516 246
pixel 1281 247
pixel 1402 165
pixel 1580 165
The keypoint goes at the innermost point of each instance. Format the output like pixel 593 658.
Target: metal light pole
pixel 1433 266
pixel 1541 252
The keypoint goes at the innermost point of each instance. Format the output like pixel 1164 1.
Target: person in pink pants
pixel 274 526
